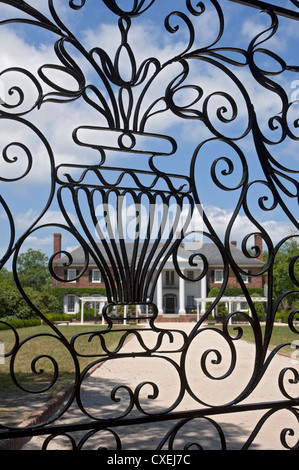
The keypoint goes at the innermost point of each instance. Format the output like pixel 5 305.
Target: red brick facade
pixel 84 281
pixel 254 280
pixel 61 271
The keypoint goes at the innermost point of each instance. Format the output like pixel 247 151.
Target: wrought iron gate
pixel 136 109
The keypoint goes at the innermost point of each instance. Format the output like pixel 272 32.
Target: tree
pixel 6 278
pixel 33 270
pixel 282 281
pixel 9 300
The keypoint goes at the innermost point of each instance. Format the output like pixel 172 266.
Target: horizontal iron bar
pixel 110 423
pixel 266 6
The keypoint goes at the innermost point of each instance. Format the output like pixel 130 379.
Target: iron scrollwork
pixel 122 97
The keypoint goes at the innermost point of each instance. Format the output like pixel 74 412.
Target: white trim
pixel 95 300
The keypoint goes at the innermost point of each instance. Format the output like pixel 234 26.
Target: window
pixel 71 274
pixel 245 277
pixel 170 278
pixel 71 300
pixel 96 275
pixel 190 275
pixel 218 275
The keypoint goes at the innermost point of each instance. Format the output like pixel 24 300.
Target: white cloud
pixel 71 248
pixel 55 121
pixel 37 242
pixel 25 219
pixel 220 218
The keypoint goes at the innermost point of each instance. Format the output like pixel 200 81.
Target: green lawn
pixel 36 376
pixel 42 343
pixel 281 334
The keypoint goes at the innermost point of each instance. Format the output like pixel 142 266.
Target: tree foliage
pixel 286 273
pixel 33 270
pixel 35 278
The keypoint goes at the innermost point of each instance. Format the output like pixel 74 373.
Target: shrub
pixel 236 291
pixel 213 292
pixel 282 316
pixel 52 317
pixel 19 323
pixel 221 310
pixel 259 307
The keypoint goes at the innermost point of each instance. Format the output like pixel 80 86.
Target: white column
pixel 160 295
pixel 82 311
pixel 203 289
pixel 230 311
pixel 125 314
pixel 182 309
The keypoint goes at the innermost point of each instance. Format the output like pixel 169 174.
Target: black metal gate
pixel 162 131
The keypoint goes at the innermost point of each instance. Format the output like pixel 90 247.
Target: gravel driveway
pixel 128 372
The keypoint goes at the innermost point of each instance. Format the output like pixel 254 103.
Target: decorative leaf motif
pixel 63 76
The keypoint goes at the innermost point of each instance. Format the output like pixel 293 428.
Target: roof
pixel 209 250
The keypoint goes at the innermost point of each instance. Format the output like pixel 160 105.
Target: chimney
pixel 57 245
pixel 258 241
pixel 234 243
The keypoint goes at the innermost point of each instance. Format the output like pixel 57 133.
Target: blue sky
pixel 31 47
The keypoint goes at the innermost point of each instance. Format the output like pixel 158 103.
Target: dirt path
pixel 130 373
